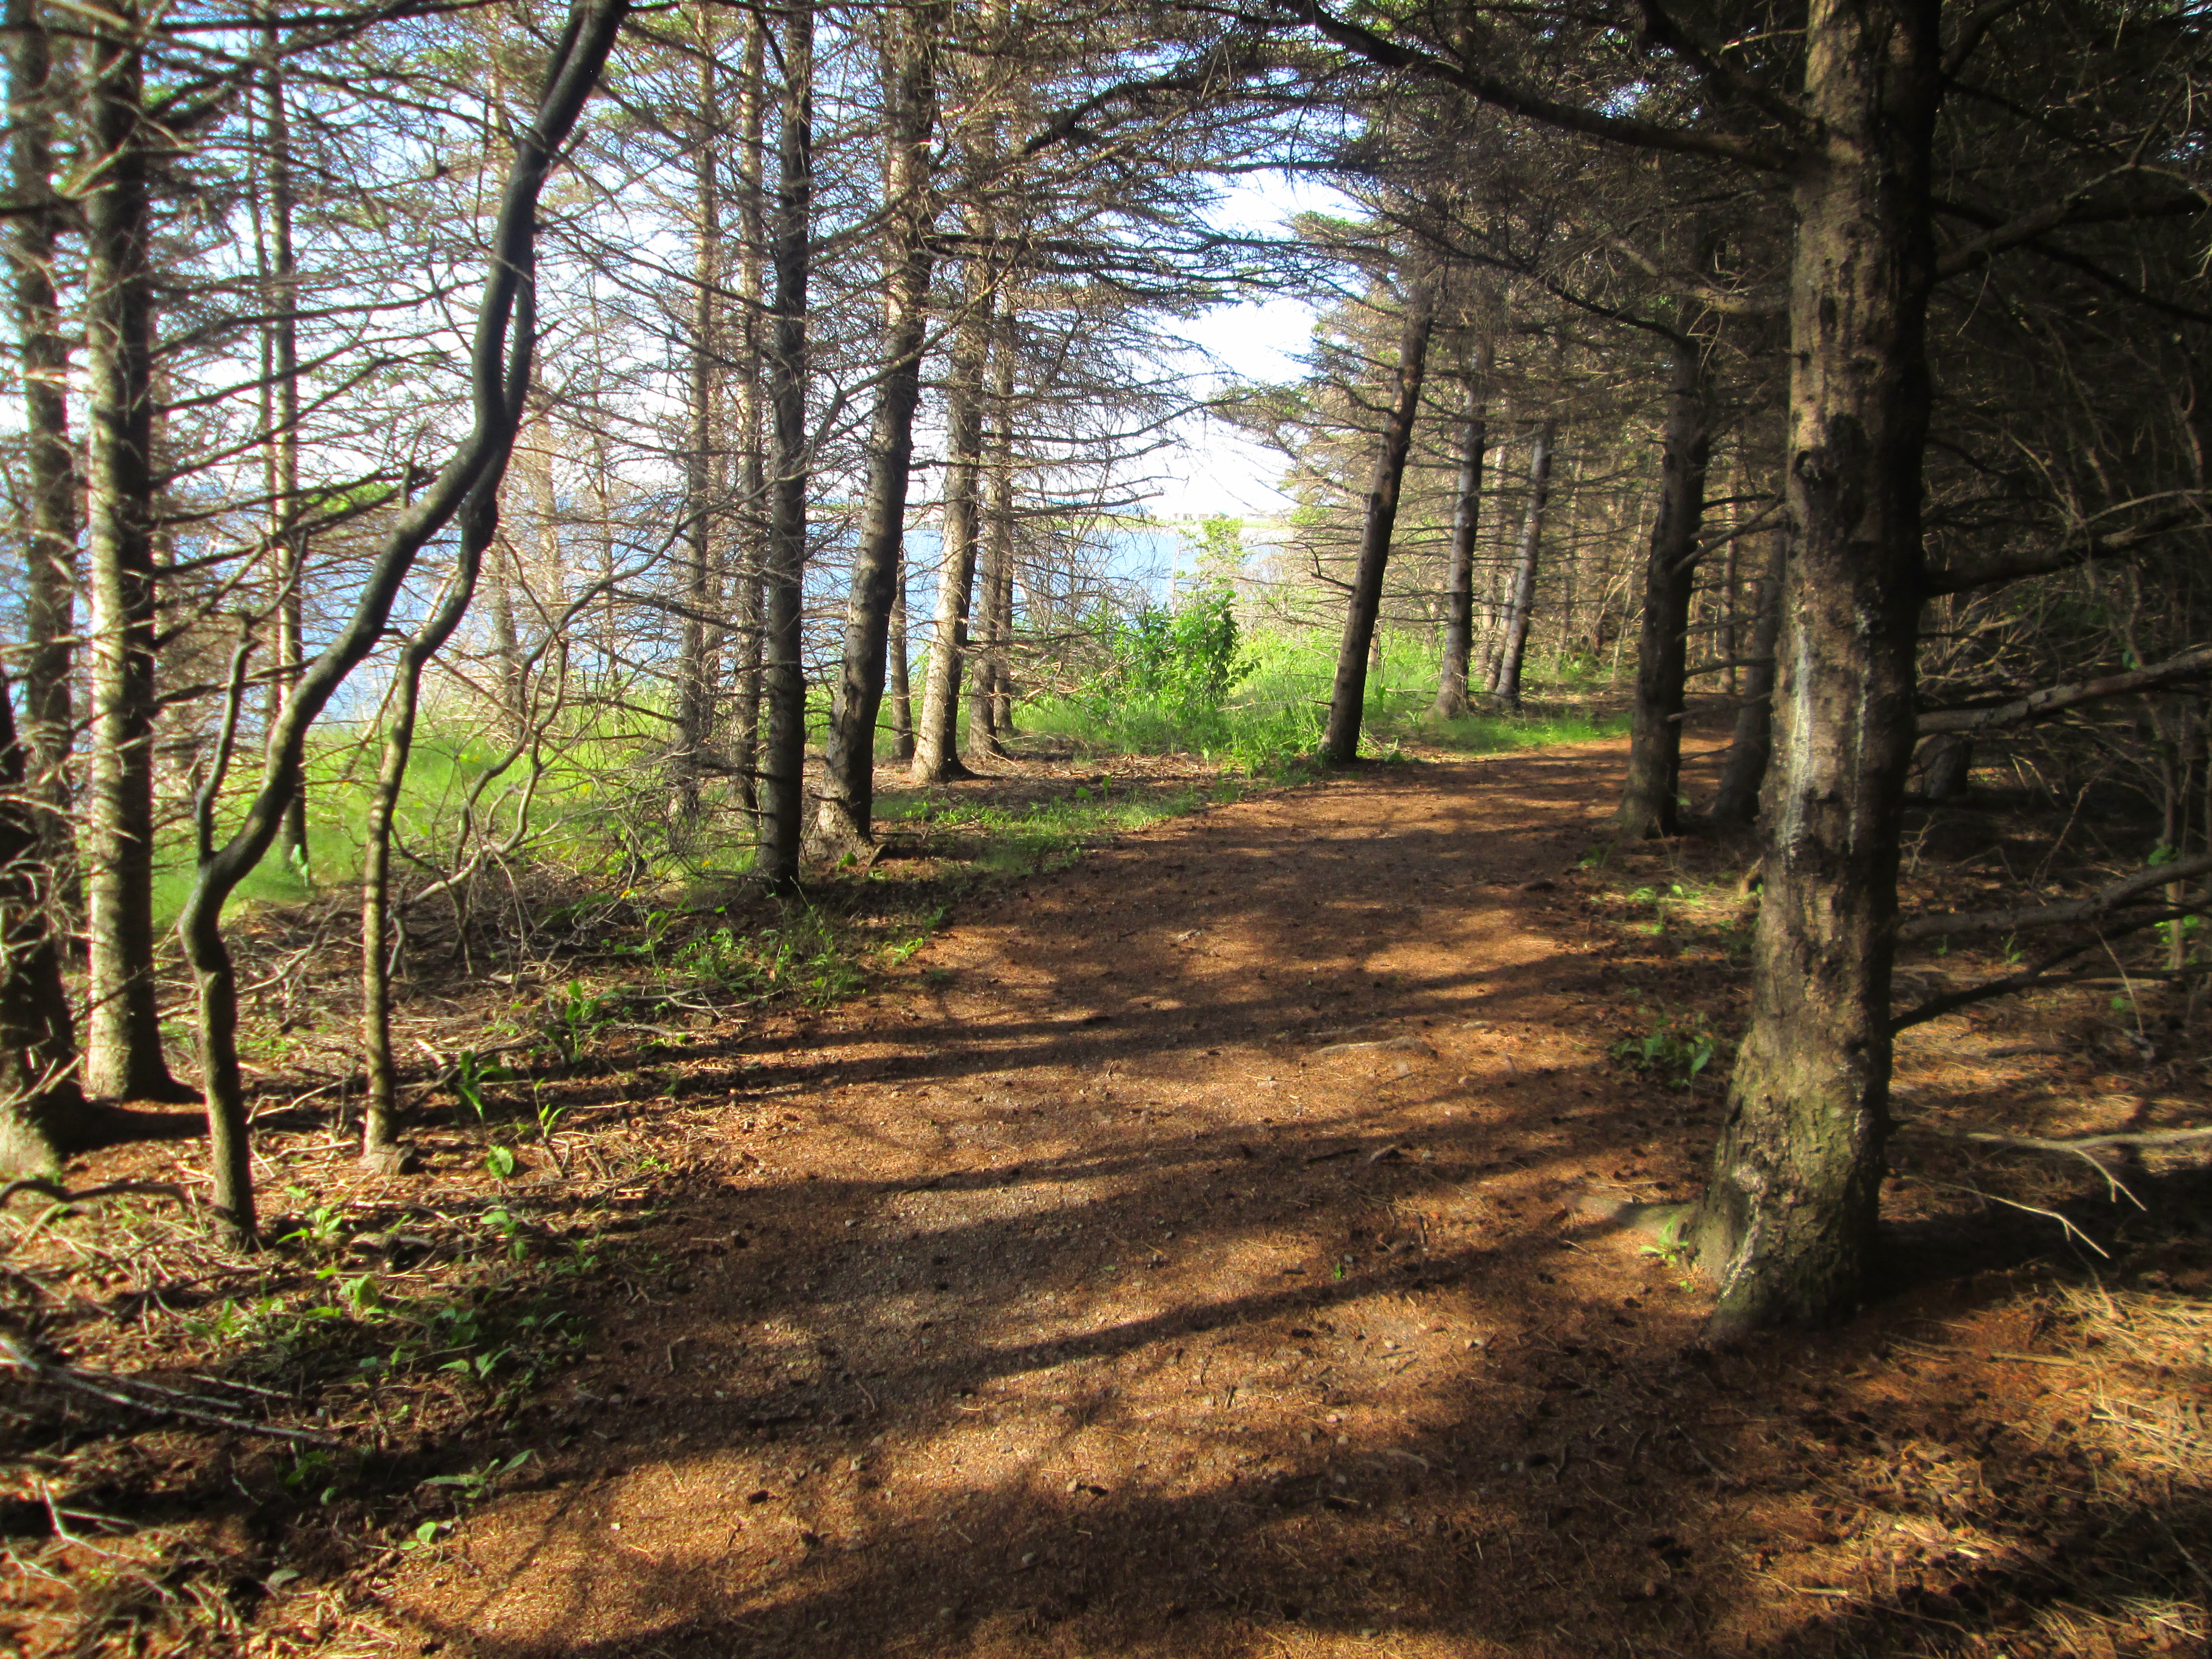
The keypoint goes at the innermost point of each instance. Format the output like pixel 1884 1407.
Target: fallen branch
pixel 2195 664
pixel 61 1194
pixel 115 1389
pixel 2070 1144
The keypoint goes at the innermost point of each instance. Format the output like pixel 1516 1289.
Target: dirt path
pixel 1192 1255
pixel 1184 1263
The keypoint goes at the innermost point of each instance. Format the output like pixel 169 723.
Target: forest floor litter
pixel 1231 1241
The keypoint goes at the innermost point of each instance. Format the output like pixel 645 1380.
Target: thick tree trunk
pixel 1648 805
pixel 1736 804
pixel 1520 605
pixel 910 212
pixel 1347 702
pixel 50 528
pixel 1467 524
pixel 783 763
pixel 1787 1226
pixel 695 691
pixel 123 1047
pixel 983 733
pixel 935 758
pixel 41 1108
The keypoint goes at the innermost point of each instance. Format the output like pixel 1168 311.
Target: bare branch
pixel 2051 700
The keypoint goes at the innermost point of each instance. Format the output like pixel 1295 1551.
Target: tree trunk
pixel 1787 1226
pixel 1648 805
pixel 1467 523
pixel 752 484
pixel 1347 702
pixel 50 529
pixel 123 1057
pixel 1950 764
pixel 380 1138
pixel 695 693
pixel 1505 684
pixel 287 541
pixel 41 1108
pixel 783 766
pixel 983 733
pixel 901 691
pixel 935 758
pixel 1736 805
pixel 910 213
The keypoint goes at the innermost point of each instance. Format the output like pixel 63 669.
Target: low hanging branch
pixel 2193 664
pixel 499 361
pixel 2090 906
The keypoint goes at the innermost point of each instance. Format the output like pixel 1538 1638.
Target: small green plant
pixel 477 1484
pixel 499 1161
pixel 1681 1047
pixel 578 1017
pixel 474 1073
pixel 548 1119
pixel 423 1537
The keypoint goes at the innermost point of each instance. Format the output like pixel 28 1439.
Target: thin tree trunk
pixel 901 691
pixel 1787 1225
pixel 752 483
pixel 123 1048
pixel 935 757
pixel 1467 528
pixel 1647 804
pixel 500 359
pixel 49 530
pixel 783 768
pixel 380 1138
pixel 910 213
pixel 983 733
pixel 287 542
pixel 694 692
pixel 1347 704
pixel 1505 684
pixel 1736 805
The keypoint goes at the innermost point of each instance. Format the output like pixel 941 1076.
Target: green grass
pixel 1276 714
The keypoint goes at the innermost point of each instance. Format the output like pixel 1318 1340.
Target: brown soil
pixel 1221 1246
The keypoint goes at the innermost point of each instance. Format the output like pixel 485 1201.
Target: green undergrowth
pixel 1269 719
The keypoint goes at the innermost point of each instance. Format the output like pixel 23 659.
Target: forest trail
pixel 1191 1252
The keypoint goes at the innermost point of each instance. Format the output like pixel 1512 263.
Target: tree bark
pixel 1347 702
pixel 911 214
pixel 123 1047
pixel 1505 684
pixel 1467 523
pixel 1787 1226
pixel 49 530
pixel 783 763
pixel 1736 804
pixel 1647 805
pixel 935 758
